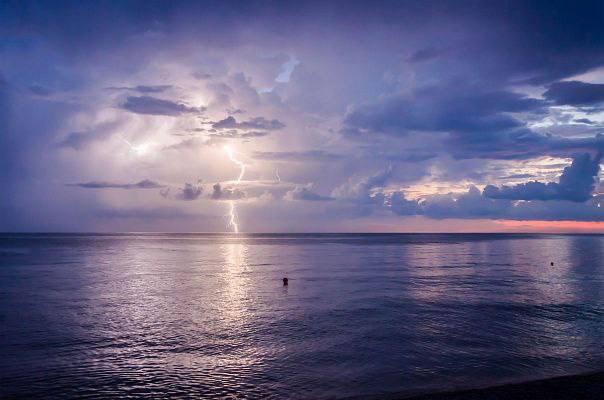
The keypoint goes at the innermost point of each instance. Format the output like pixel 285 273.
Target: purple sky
pixel 345 116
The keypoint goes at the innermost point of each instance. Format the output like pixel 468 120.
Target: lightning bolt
pixel 132 148
pixel 136 149
pixel 232 211
pixel 233 217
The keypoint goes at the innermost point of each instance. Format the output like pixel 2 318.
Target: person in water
pixel 285 281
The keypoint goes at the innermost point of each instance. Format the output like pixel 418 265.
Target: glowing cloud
pixel 140 149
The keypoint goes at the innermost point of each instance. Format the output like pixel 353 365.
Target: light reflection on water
pixel 207 315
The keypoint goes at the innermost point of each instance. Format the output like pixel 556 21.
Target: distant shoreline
pixel 573 387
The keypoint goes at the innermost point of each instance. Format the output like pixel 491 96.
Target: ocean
pixel 207 315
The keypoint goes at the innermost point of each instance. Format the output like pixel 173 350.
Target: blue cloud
pixel 154 106
pixel 575 93
pixel 577 183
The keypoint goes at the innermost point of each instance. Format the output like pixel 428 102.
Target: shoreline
pixel 571 387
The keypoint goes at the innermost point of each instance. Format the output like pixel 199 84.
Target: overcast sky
pixel 342 116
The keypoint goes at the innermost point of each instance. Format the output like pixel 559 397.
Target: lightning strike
pixel 233 217
pixel 241 165
pixel 232 211
pixel 139 150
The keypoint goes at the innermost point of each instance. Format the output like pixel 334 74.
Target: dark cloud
pixel 584 121
pixel 218 193
pixel 433 80
pixel 234 134
pixel 39 90
pixel 401 206
pixel 304 193
pixel 149 214
pixel 201 75
pixel 575 93
pixel 192 143
pixel 214 139
pixel 297 156
pixel 473 205
pixel 154 106
pixel 361 191
pixel 368 196
pixel 260 123
pixel 81 140
pixel 144 89
pixel 518 176
pixel 576 183
pixel 519 144
pixel 469 205
pixel 536 41
pixel 144 184
pixel 411 157
pixel 464 109
pixel 425 54
pixel 190 192
pixel 472 122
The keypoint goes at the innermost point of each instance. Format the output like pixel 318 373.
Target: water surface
pixel 158 315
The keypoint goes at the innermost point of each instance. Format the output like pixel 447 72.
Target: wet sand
pixel 576 387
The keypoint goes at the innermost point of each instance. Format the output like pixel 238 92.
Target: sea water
pixel 197 315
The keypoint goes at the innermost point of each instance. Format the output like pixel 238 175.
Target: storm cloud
pixel 576 183
pixel 143 88
pixel 391 110
pixel 305 193
pixel 227 193
pixel 575 93
pixel 260 123
pixel 190 192
pixel 297 156
pixel 154 106
pixel 144 184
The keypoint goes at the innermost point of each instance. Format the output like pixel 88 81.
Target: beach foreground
pixel 576 387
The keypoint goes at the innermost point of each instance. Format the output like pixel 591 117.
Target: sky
pixel 338 116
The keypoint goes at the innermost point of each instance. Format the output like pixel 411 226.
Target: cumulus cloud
pixel 468 205
pixel 190 192
pixel 144 184
pixel 576 183
pixel 401 206
pixel 260 123
pixel 361 191
pixel 474 205
pixel 305 193
pixel 154 106
pixel 220 193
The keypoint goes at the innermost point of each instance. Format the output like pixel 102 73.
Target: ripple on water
pixel 207 316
